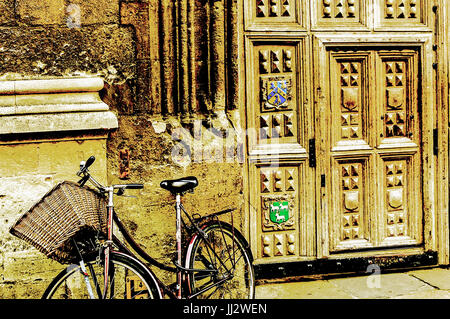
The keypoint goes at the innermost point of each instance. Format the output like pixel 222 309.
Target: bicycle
pixel 217 262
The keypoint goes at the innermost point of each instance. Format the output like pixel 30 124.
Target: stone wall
pixel 152 144
pixel 173 120
pixel 27 172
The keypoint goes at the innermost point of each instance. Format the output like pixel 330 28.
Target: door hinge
pixel 312 152
pixel 435 142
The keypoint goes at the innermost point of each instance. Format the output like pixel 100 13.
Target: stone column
pixel 186 52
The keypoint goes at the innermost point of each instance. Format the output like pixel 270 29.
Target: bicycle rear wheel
pixel 225 253
pixel 128 280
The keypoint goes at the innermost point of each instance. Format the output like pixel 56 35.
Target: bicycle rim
pixel 128 280
pixel 224 252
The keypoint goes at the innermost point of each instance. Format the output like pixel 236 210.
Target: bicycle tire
pixel 228 244
pixel 132 280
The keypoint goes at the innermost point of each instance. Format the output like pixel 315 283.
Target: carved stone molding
pixel 187 53
pixel 53 105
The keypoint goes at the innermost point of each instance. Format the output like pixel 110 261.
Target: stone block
pixel 29 171
pixel 50 157
pixel 58 122
pixel 69 85
pixel 322 289
pixel 390 286
pixel 439 277
pixel 15 159
pixel 107 51
pixel 137 15
pixel 65 109
pixel 96 11
pixel 7 12
pixel 42 12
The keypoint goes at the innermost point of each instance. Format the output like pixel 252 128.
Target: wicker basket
pixel 64 212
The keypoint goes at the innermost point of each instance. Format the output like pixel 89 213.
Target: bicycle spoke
pixel 236 261
pixel 201 276
pixel 206 262
pixel 70 283
pixel 234 276
pixel 225 243
pixel 212 293
pixel 206 284
pixel 211 257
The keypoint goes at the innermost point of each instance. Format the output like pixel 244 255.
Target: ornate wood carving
pixel 351 100
pixel 274 245
pixel 396 198
pixel 339 14
pixel 284 14
pixel 276 85
pixel 402 15
pixel 352 208
pixel 374 86
pixel 361 92
pixel 279 210
pixel 345 9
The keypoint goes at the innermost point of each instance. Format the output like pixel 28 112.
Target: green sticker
pixel 279 212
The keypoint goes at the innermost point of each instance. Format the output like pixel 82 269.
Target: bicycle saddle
pixel 177 186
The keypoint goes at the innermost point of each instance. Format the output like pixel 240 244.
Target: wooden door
pixel 340 118
pixel 374 153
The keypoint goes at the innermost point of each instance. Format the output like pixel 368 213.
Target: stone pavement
pixel 433 283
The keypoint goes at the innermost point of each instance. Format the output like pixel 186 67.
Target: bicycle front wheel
pixel 128 280
pixel 221 264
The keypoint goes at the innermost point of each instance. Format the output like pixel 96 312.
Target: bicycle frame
pixel 178 269
pixel 112 241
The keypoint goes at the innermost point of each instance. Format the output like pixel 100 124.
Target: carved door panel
pixel 279 129
pixel 374 149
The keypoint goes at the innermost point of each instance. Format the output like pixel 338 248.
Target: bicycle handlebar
pixel 84 165
pixel 89 162
pixel 86 176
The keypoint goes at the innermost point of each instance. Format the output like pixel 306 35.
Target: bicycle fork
pixel 84 272
pixel 86 279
